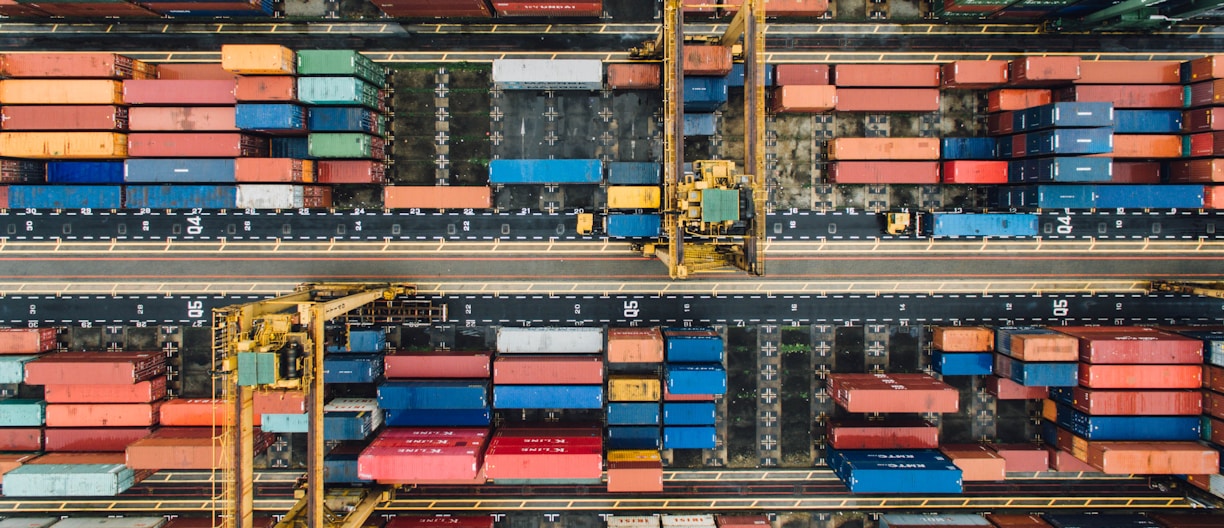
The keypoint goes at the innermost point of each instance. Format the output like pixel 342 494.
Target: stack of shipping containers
pixel 21 423
pixel 971 160
pixel 705 79
pixel 633 414
pixel 695 377
pixel 1203 126
pixel 1211 428
pixel 344 91
pixel 803 88
pixel 644 76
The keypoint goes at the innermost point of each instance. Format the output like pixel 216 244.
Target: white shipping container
pixel 369 405
pixel 511 340
pixel 547 74
pixel 678 521
pixel 112 522
pixel 30 522
pixel 633 521
pixel 270 196
pixel 906 520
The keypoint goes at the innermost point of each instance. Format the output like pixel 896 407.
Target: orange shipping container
pixel 258 59
pixel 974 75
pixel 1147 146
pixel 634 76
pixel 803 98
pixel 887 99
pixel 279 402
pixel 152 389
pixel 265 88
pixel 182 118
pixel 635 345
pixel 273 170
pixel 976 462
pixel 26 340
pixel 886 75
pixel 9 462
pixel 1209 67
pixel 63 145
pixel 211 71
pixel 1153 458
pixel 707 60
pixel 437 197
pixel 171 453
pixel 1044 70
pixel 1140 376
pixel 883 149
pixel 781 8
pixel 1017 520
pixel 1213 196
pixel 975 172
pixel 194 412
pixel 1016 99
pixel 60 91
pixel 102 414
pixel 886 393
pixel 912 172
pixel 1044 347
pixel 1129 72
pixel 635 477
pixel 963 338
pixel 75 65
pixel 1127 96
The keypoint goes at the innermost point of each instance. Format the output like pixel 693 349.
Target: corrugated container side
pixel 1163 196
pixel 273 170
pixel 182 119
pixel 1127 96
pixel 633 388
pixel 181 196
pixel 801 74
pixel 258 59
pixel 63 145
pixel 81 117
pixel 548 396
pixel 1134 344
pixel 199 145
pixel 437 364
pixel 975 172
pixel 550 340
pixel 634 76
pixel 883 149
pixel 99 439
pixel 74 65
pixel 505 171
pixel 790 8
pixel 892 393
pixel 963 338
pixel 803 99
pixel 887 100
pixel 27 340
pixel 1129 72
pixel 1140 376
pixel 265 88
pixel 537 8
pixel 178 171
pixel 437 197
pixel 695 378
pixel 1044 70
pixel 1136 172
pixel 433 395
pixel 886 75
pixel 885 434
pixel 179 92
pixel 1209 67
pixel 1153 458
pixel 633 173
pixel 633 225
pixel 635 345
pixel 558 370
pixel 546 74
pixel 102 414
pixel 974 75
pixel 707 60
pixel 60 92
pixel 690 437
pixel 1017 99
pixel 1147 122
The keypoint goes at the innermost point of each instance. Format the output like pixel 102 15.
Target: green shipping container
pixel 339 145
pixel 284 423
pixel 1041 3
pixel 341 62
pixel 337 91
pixel 981 3
pixel 17 412
pixel 256 368
pixel 719 205
pixel 12 368
pixel 68 480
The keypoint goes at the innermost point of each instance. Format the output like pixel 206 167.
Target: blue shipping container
pixel 1137 428
pixel 693 345
pixel 1149 196
pixel 266 117
pixel 700 125
pixel 634 173
pixel 1038 374
pixel 1064 115
pixel 545 171
pixel 433 395
pixel 343 119
pixel 969 148
pixel 684 437
pixel 68 480
pixel 290 147
pixel 1069 141
pixel 352 368
pixel 438 417
pixel 900 471
pixel 181 196
pixel 735 79
pixel 979 225
pixel 340 468
pixel 1049 197
pixel 347 425
pixel 84 172
pixel 634 225
pixel 548 396
pixel 622 437
pixel 688 413
pixel 367 341
pixel 1099 520
pixel 285 423
pixel 696 378
pixel 178 170
pixel 1072 169
pixel 1147 121
pixel 962 364
pixel 627 413
pixel 1049 433
pixel 704 94
pixel 74 197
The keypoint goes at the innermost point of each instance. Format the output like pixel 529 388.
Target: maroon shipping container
pixel 21 439
pixel 1207 144
pixel 1209 67
pixel 182 119
pixel 1006 389
pixel 10 8
pixel 1213 403
pixel 707 60
pixel 1197 171
pixel 432 521
pixel 437 364
pixel 1044 70
pixel 882 434
pixel 975 172
pixel 636 76
pixel 1133 345
pixel 1140 376
pixel 887 393
pixel 351 171
pixel 102 414
pixel 1188 520
pixel 552 370
pixel 95 368
pixel 580 8
pixel 211 71
pixel 913 172
pixel 4 197
pixel 801 74
pixel 1126 95
pixel 1136 403
pixel 886 75
pixel 1001 123
pixel 204 522
pixel 143 392
pixel 1136 172
pixel 974 75
pixel 179 92
pixel 266 88
pixel 435 8
pixel 95 10
pixel 1202 120
pixel 316 196
pixel 742 521
pixel 22 171
pixel 77 117
pixel 887 99
pixel 1129 72
pixel 27 340
pixel 1014 99
pixel 1018 520
pixel 1023 458
pixel 1206 93
pixel 74 65
pixel 196 145
pixel 95 439
pixel 1213 378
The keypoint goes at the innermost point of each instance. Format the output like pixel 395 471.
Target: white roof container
pixel 688 521
pixel 270 196
pixel 512 340
pixel 547 74
pixel 633 521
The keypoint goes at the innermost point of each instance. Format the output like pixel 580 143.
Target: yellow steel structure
pixel 1206 289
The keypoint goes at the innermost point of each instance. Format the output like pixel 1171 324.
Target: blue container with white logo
pixel 633 437
pixel 689 437
pixel 633 413
pixel 689 413
pixel 352 368
pixel 968 148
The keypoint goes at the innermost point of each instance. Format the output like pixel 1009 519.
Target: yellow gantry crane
pixel 278 344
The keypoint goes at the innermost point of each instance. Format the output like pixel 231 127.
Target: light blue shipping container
pixel 181 196
pixel 1147 121
pixel 84 172
pixel 438 417
pixel 689 437
pixel 634 173
pixel 12 368
pixel 339 91
pixel 689 413
pixel 279 117
pixel 545 171
pixel 348 425
pixel 1068 115
pixel 634 225
pixel 1213 345
pixel 735 79
pixel 696 378
pixel 962 363
pixel 178 170
pixel 909 520
pixel 1161 196
pixel 967 148
pixel 1069 141
pixel 704 94
pixel 21 412
pixel 700 125
pixel 900 471
pixel 68 480
pixel 1038 374
pixel 285 423
pixel 352 368
pixel 344 119
pixel 548 396
pixel 73 197
pixel 633 437
pixel 1099 520
pixel 433 395
pixel 979 225
pixel 693 345
pixel 633 413
pixel 1130 428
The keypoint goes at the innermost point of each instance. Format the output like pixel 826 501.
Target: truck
pixel 955 225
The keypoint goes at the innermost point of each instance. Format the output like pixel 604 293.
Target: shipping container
pixel 735 79
pixel 963 338
pixel 266 88
pixel 1147 146
pixel 967 148
pixel 412 455
pixel 1202 120
pixel 344 145
pixel 1152 458
pixel 893 433
pixel 402 520
pixel 435 8
pixel 1207 93
pixel 877 172
pixel 544 171
pixel 352 368
pixel 974 74
pixel 962 363
pixel 689 437
pixel 74 65
pixel 1060 196
pixel 1201 69
pixel 141 392
pixel 635 477
pixel 892 393
pixel 1005 99
pixel 976 462
pixel 27 340
pixel 998 124
pixel 211 71
pixel 545 8
pixel 634 172
pixel 194 412
pixel 340 464
pixel 63 145
pixel 1129 72
pixel 633 437
pixel 182 118
pixel 345 119
pixel 68 480
pixel 1126 95
pixel 184 170
pixel 1129 403
pixel 895 471
pixel 338 426
pixel 975 172
pixel 75 197
pixel 696 378
pixel 1030 71
pixel 29 522
pixel 95 440
pixel 887 100
pixel 437 364
pixel 274 170
pixel 285 423
pixel 179 92
pixel 340 62
pixel 629 413
pixel 350 171
pixel 1129 428
pixel 548 396
pixel 635 345
pixel 433 395
pixel 258 59
pixel 688 413
pixel 1067 141
pixel 1149 196
pixel 1065 462
pixel 80 117
pixel 1040 374
pixel 437 197
pixel 801 74
pixel 704 94
pixel 1023 458
pixel 22 171
pixel 94 10
pixel 198 145
pixel 438 417
pixel 633 197
pixel 1147 122
pixel 783 8
pixel 1136 172
pixel 1064 115
pixel 1133 344
pixel 693 345
pixel 1099 520
pixel 1188 520
pixel 12 368
pixel 883 149
pixel 60 92
pixel 634 76
pixel 112 368
pixel 102 414
pixel 979 225
pixel 22 438
pixel 633 226
pixel 1140 376
pixel 886 75
pixel 633 521
pixel 543 340
pixel 707 60
pixel 342 91
pixel 952 520
pixel 1213 343
pixel 804 99
pixel 547 74
pixel 270 117
pixel 633 388
pixel 548 370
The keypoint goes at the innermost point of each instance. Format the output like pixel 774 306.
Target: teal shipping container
pixel 285 423
pixel 12 368
pixel 341 91
pixel 340 62
pixel 342 145
pixel 68 480
pixel 20 412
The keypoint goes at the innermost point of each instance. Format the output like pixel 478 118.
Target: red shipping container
pixel 265 88
pixel 915 172
pixel 79 117
pixel 780 8
pixel 1216 429
pixel 74 65
pixel 801 74
pixel 546 441
pixel 1197 171
pixel 888 100
pixel 1065 462
pixel 536 370
pixel 1127 95
pixel 537 431
pixel 1213 403
pixel 1188 520
pixel 1202 120
pixel 634 76
pixel 667 396
pixel 742 521
pixel 1206 93
pixel 1129 72
pixel 635 477
pixel 100 439
pixel 1213 197
pixel 437 197
pixel 976 172
pixel 436 364
pixel 27 340
pixel 21 439
pixel 1133 344
pixel 707 60
pixel 433 521
pixel 1209 67
pixel 102 414
pixel 95 10
pixel 543 462
pixel 395 456
pixel 204 522
pixel 195 412
pixel 316 196
pixel 273 170
pixel 196 145
pixel 884 393
pixel 1213 378
pixel 963 338
pixel 886 75
pixel 1017 520
pixel 1140 376
pixel 1136 172
pixel 1005 389
pixel 1136 403
pixel 10 8
pixel 279 402
pixel 1001 123
pixel 977 463
pixel 179 92
pixel 882 434
pixel 350 171
pixel 95 368
pixel 880 148
pixel 172 453
pixel 1014 99
pixel 591 8
pixel 182 118
pixel 143 392
pixel 1143 146
pixel 436 8
pixel 1023 458
pixel 1206 144
pixel 1044 70
pixel 1153 458
pixel 210 71
pixel 804 99
pixel 974 75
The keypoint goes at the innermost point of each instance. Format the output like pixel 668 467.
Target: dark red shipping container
pixel 210 71
pixel 887 100
pixel 316 196
pixel 1202 120
pixel 1206 93
pixel 266 88
pixel 1207 144
pixel 1140 376
pixel 1006 389
pixel 1133 345
pixel 95 368
pixel 1023 458
pixel 10 8
pixel 4 197
pixel 21 439
pixel 436 364
pixel 536 370
pixel 1213 378
pixel 1197 171
pixel 1136 172
pixel 350 171
pixel 1213 403
pixel 801 74
pixel 974 74
pixel 899 433
pixel 1136 403
pixel 93 439
pixel 1209 67
pixel 435 8
pixel 196 145
pixel 1188 520
pixel 742 521
pixel 886 75
pixel 580 8
pixel 143 392
pixel 1044 70
pixel 79 117
pixel 179 92
pixel 204 522
pixel 1016 99
pixel 22 171
pixel 433 521
pixel 1001 123
pixel 634 76
pixel 975 172
pixel 1126 95
pixel 914 172
pixel 707 60
pixel 1129 72
pixel 95 10
pixel 1017 520
pixel 27 340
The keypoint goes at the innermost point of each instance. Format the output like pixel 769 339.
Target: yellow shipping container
pixel 633 197
pixel 633 389
pixel 258 59
pixel 63 145
pixel 633 455
pixel 1049 410
pixel 61 91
